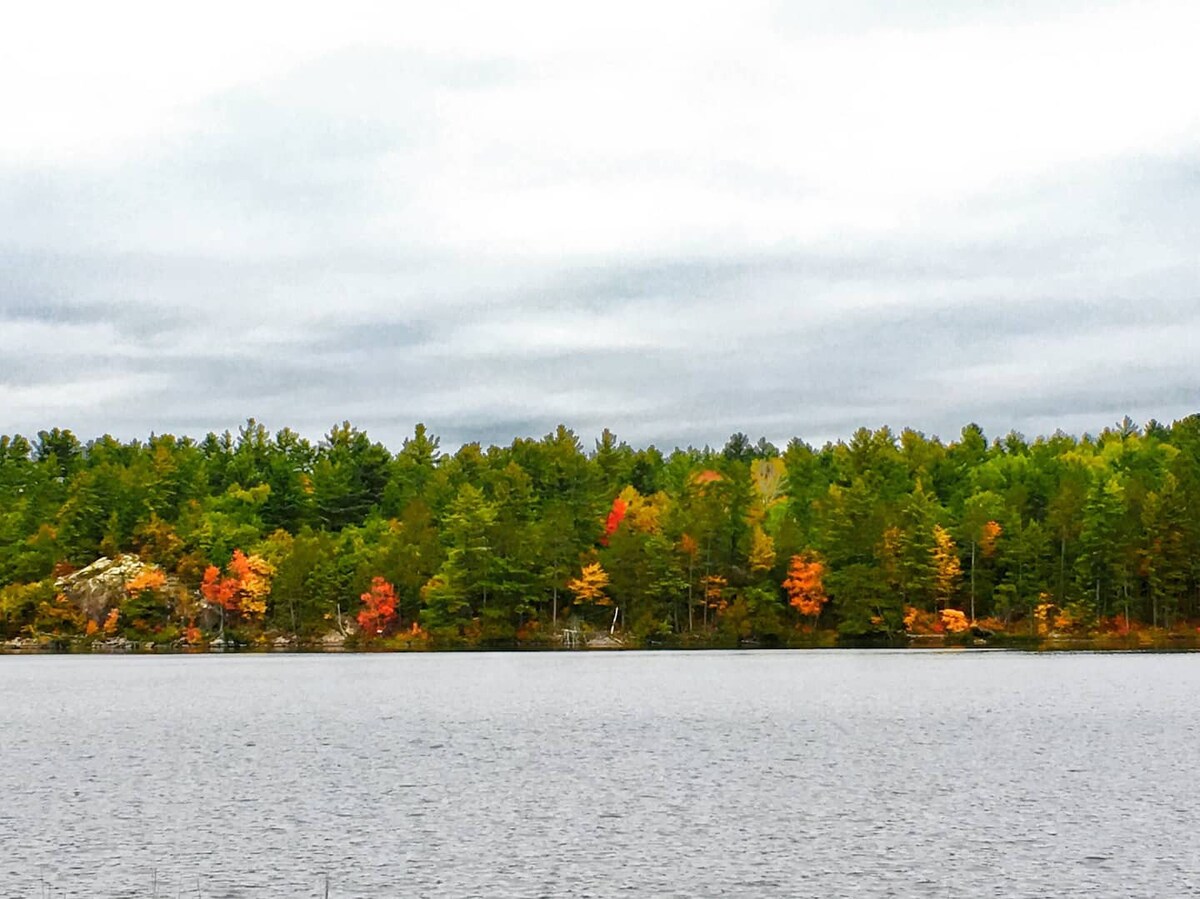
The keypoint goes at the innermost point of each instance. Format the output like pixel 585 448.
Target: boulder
pixel 101 586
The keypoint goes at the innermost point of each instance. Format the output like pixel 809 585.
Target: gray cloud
pixel 308 252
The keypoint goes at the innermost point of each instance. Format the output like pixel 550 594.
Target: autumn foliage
pixel 762 551
pixel 589 586
pixel 146 579
pixel 948 567
pixel 954 621
pixel 244 588
pixel 988 539
pixel 643 514
pixel 1053 536
pixel 714 586
pixel 805 584
pixel 378 614
pixel 615 516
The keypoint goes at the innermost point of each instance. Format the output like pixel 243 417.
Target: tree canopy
pixel 267 535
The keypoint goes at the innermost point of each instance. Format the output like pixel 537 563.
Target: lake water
pixel 904 773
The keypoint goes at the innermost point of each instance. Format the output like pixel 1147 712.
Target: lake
pixel 818 773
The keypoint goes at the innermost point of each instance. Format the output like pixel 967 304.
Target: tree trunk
pixel 972 581
pixel 1062 573
pixel 691 564
pixel 707 571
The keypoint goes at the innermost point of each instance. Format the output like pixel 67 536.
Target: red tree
pixel 615 516
pixel 245 587
pixel 378 614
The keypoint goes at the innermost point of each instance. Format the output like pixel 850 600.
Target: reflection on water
pixel 690 774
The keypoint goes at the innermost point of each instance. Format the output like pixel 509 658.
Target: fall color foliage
pixel 378 613
pixel 589 586
pixel 714 590
pixel 615 516
pixel 768 476
pixel 805 585
pixel 948 567
pixel 954 621
pixel 146 579
pixel 244 588
pixel 762 551
pixel 262 537
pixel 644 514
pixel 988 539
pixel 688 545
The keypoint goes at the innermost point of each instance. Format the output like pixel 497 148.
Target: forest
pixel 268 539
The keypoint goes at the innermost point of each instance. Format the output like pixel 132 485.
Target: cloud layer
pixel 785 219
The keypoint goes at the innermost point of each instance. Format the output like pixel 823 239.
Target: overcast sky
pixel 674 220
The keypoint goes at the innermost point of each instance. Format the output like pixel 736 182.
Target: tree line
pixel 258 535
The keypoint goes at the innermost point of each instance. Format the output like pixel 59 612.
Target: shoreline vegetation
pixel 1150 642
pixel 261 541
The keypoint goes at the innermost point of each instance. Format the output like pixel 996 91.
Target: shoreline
pixel 1092 644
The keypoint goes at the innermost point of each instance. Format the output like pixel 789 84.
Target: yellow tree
pixel 767 476
pixel 589 586
pixel 762 551
pixel 948 567
pixel 644 513
pixel 714 592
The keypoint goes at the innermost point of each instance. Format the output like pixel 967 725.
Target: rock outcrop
pixel 101 586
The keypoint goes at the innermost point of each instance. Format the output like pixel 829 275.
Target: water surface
pixel 875 773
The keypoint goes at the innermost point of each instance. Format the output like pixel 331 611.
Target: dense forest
pixel 255 538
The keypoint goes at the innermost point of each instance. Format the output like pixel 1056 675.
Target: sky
pixel 674 220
